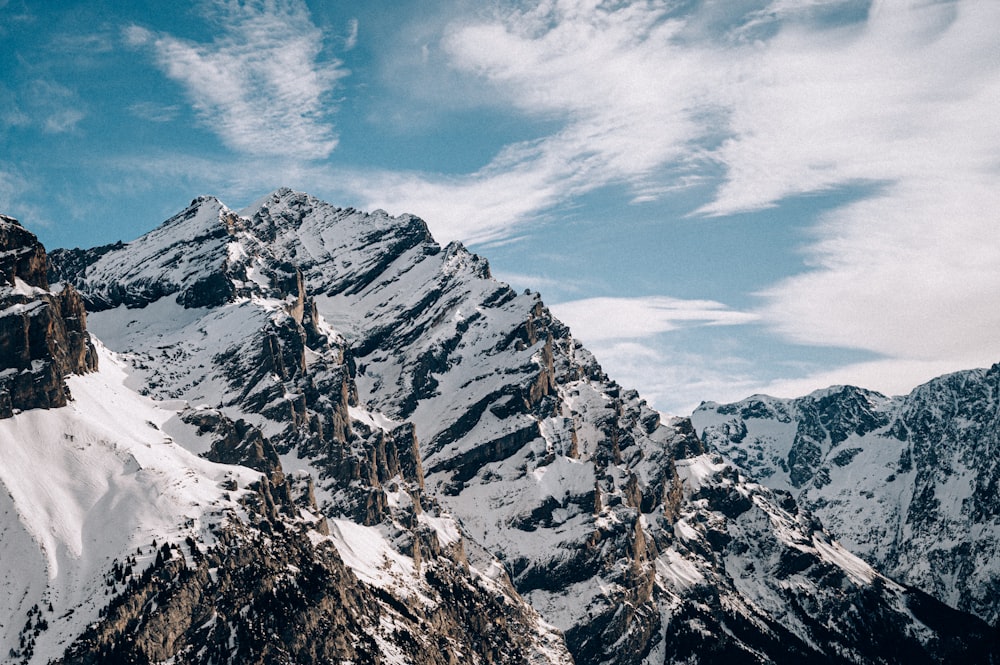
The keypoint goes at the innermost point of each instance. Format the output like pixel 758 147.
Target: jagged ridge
pixel 909 483
pixel 456 423
pixel 43 335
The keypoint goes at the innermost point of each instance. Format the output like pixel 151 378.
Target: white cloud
pixel 477 208
pixel 810 108
pixel 63 120
pixel 261 85
pixel 15 193
pixel 11 183
pixel 352 35
pixel 45 104
pixel 671 380
pixel 154 112
pixel 902 98
pixel 630 338
pixel 890 377
pixel 909 94
pixel 910 100
pixel 911 274
pixel 625 116
pixel 602 319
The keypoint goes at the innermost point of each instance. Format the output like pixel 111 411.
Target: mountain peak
pixel 902 481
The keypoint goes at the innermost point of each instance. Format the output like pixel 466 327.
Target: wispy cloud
pixel 600 319
pixel 11 183
pixel 908 100
pixel 83 47
pixel 672 380
pixel 351 40
pixel 785 100
pixel 41 104
pixel 154 112
pixel 11 114
pixel 906 95
pixel 631 338
pixel 911 274
pixel 15 194
pixel 481 207
pixel 593 69
pixel 63 120
pixel 892 376
pixel 809 107
pixel 262 85
pixel 15 17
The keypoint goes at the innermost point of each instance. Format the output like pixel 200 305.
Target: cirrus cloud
pixel 261 85
pixel 785 100
pixel 601 319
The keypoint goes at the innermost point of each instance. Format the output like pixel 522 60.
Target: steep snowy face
pixel 908 483
pixel 202 257
pixel 87 489
pixel 463 440
pixel 551 467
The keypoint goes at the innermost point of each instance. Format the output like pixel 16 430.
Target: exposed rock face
pixel 43 335
pixel 270 594
pixel 908 483
pixel 460 427
pixel 21 255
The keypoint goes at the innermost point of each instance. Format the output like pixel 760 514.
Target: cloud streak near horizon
pixel 602 319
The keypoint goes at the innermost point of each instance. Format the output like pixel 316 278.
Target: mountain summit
pixel 390 457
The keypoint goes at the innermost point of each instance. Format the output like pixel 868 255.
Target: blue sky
pixel 719 197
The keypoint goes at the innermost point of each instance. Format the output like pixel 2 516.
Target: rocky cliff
pixel 43 335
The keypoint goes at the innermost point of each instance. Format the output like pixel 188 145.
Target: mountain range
pixel 297 433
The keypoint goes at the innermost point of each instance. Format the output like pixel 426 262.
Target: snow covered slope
pixel 469 455
pixel 84 488
pixel 908 483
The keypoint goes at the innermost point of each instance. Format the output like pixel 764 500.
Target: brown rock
pixel 43 336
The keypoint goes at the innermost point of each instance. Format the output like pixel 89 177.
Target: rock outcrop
pixel 43 335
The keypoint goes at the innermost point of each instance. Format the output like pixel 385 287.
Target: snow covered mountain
pixel 137 530
pixel 398 460
pixel 908 483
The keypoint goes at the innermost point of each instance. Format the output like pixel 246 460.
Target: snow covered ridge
pixel 908 483
pixel 442 474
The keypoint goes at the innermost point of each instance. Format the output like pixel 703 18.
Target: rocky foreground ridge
pixel 401 460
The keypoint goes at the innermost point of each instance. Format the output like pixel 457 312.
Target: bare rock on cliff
pixel 43 334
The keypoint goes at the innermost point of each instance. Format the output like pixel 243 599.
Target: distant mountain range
pixel 298 433
pixel 910 483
